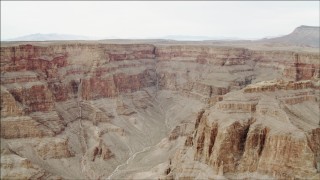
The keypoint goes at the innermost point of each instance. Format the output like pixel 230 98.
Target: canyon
pixel 159 110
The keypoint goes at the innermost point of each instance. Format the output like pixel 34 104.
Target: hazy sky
pixel 242 19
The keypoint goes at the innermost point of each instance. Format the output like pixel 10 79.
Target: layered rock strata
pixel 91 111
pixel 255 132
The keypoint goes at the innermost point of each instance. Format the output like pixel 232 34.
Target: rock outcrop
pixel 255 132
pixel 54 149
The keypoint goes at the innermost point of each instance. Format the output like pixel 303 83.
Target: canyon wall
pixel 255 132
pixel 96 104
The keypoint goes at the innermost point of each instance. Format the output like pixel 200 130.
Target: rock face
pixel 147 111
pixel 259 136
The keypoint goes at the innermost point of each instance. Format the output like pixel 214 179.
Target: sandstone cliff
pixel 259 133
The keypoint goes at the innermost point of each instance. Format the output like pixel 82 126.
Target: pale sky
pixel 242 19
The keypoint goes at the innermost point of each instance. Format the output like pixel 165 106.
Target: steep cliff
pixel 256 132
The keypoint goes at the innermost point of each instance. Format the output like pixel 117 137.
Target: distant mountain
pixel 196 38
pixel 51 37
pixel 301 36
